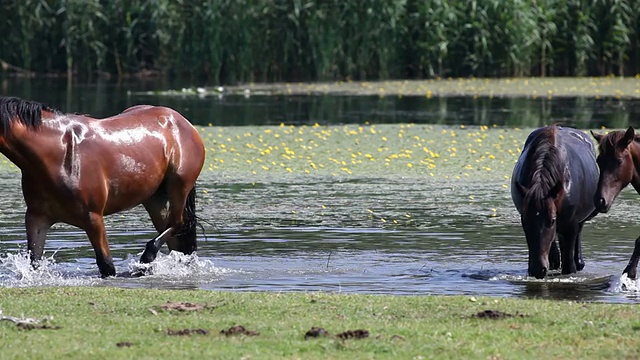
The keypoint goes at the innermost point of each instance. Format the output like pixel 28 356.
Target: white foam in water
pixel 529 279
pixel 16 271
pixel 625 285
pixel 177 265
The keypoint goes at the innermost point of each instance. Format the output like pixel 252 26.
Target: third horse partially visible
pixel 619 162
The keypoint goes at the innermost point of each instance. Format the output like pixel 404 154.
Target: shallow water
pixel 365 235
pixel 394 235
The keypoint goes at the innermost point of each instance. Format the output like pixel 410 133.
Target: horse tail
pixel 186 235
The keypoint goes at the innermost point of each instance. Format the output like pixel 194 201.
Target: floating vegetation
pixel 406 150
pixel 533 88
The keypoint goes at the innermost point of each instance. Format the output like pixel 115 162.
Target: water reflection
pixel 104 98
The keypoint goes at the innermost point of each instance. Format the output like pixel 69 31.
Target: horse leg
pixel 177 222
pixel 554 256
pixel 568 236
pixel 578 250
pixel 98 236
pixel 37 227
pixel 632 267
pixel 154 245
pixel 182 219
pixel 156 207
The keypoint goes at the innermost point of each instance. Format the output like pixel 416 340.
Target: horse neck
pixel 27 147
pixel 634 148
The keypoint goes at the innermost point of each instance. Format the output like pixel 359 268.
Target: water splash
pixel 568 279
pixel 177 265
pixel 625 285
pixel 16 271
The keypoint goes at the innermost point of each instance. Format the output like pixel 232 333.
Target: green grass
pixel 93 320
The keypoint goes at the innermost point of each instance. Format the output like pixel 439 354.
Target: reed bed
pixel 237 41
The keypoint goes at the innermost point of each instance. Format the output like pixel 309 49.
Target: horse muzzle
pixel 538 268
pixel 539 273
pixel 601 204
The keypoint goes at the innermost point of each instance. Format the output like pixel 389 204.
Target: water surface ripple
pixel 366 235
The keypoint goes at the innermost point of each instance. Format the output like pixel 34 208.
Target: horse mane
pixel 27 112
pixel 611 139
pixel 546 169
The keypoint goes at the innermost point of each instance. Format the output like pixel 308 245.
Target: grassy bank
pixel 589 87
pixel 122 323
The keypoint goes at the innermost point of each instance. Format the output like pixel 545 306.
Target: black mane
pixel 545 171
pixel 27 112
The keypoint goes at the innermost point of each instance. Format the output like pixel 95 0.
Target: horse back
pixel 185 149
pixel 580 175
pixel 137 107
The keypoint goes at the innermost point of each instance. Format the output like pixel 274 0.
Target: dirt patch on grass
pixel 187 332
pixel 239 330
pixel 181 306
pixel 23 326
pixel 353 334
pixel 315 332
pixel 495 314
pixel 124 344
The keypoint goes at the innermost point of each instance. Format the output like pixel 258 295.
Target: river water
pixel 343 234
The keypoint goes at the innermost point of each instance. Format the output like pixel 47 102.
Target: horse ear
pixel 555 190
pixel 522 190
pixel 627 138
pixel 596 136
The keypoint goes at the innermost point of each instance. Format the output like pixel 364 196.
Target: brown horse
pixel 76 169
pixel 619 162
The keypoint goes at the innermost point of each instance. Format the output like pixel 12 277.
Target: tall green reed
pixel 234 41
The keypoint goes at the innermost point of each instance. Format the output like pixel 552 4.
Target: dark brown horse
pixel 619 162
pixel 76 169
pixel 552 187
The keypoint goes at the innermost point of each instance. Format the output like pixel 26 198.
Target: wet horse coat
pixel 76 169
pixel 552 187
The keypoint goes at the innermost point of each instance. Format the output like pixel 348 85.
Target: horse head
pixel 616 166
pixel 538 220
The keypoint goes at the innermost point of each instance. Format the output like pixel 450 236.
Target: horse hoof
pixel 579 265
pixel 150 252
pixel 147 257
pixel 630 274
pixel 138 273
pixel 108 273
